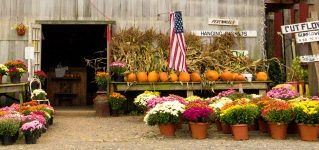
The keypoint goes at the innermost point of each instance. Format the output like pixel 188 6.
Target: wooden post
pixel 313 68
pixel 108 50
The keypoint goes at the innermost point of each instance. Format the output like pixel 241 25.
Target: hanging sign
pixel 223 22
pixel 309 58
pixel 29 52
pixel 300 27
pixel 304 37
pixel 220 32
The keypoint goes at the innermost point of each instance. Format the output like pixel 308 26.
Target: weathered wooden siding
pixel 127 13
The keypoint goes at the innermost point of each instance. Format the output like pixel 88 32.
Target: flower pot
pixel 199 130
pixel 115 112
pixel 308 132
pixel 101 87
pixel 318 130
pixel 30 139
pixel 278 130
pixel 292 128
pixel 179 125
pixel 20 32
pixel 252 127
pixel 218 125
pixel 167 129
pixel 262 125
pixel 118 78
pixel 294 84
pixel 240 132
pixel 7 140
pixel 15 79
pixel 226 128
pixel 51 121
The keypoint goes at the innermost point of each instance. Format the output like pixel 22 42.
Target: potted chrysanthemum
pixel 239 116
pixel 278 114
pixel 141 100
pixel 31 131
pixel 307 117
pixel 16 70
pixel 117 69
pixel 199 115
pixel 3 71
pixel 165 115
pixel 116 101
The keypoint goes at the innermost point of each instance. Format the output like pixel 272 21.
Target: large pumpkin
pixel 195 77
pixel 184 77
pixel 212 75
pixel 226 76
pixel 234 76
pixel 261 76
pixel 131 77
pixel 173 77
pixel 163 76
pixel 240 77
pixel 152 76
pixel 142 77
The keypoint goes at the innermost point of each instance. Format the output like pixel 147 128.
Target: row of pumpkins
pixel 210 75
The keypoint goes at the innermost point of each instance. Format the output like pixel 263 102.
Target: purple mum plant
pixel 198 114
pixel 282 93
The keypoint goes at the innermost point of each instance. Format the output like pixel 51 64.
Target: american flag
pixel 177 55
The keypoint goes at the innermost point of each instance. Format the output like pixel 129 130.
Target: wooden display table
pixel 21 88
pixel 190 86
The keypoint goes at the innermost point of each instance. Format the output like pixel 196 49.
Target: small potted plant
pixel 3 71
pixel 307 117
pixel 118 68
pixel 239 116
pixel 296 74
pixel 199 115
pixel 41 75
pixel 116 101
pixel 101 79
pixel 31 131
pixel 16 70
pixel 9 127
pixel 38 94
pixel 278 114
pixel 165 115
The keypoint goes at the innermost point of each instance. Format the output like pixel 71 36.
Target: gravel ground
pixel 130 132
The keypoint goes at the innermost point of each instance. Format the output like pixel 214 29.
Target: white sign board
pixel 304 37
pixel 239 53
pixel 29 52
pixel 309 58
pixel 210 33
pixel 225 22
pixel 300 27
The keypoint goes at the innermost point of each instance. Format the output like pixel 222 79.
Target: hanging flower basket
pixel 21 29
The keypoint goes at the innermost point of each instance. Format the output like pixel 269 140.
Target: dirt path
pixel 129 132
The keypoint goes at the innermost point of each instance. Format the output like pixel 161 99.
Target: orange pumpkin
pixel 234 76
pixel 163 76
pixel 261 76
pixel 226 76
pixel 152 76
pixel 240 77
pixel 173 77
pixel 131 77
pixel 195 77
pixel 212 75
pixel 184 77
pixel 142 77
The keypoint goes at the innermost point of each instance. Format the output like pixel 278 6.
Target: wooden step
pixel 74 111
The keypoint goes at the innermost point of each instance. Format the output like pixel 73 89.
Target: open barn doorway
pixel 67 45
